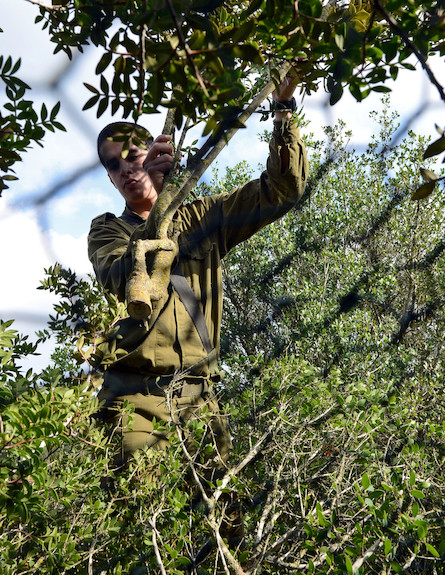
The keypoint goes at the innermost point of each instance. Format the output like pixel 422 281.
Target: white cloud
pixel 26 251
pixel 23 258
pixel 71 252
pixel 74 203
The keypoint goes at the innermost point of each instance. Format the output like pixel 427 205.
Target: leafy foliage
pixel 334 383
pixel 206 62
pixel 20 124
pixel 202 59
pixel 333 329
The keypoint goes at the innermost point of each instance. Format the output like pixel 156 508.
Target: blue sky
pixel 32 240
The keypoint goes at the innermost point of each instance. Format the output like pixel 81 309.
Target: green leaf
pixel 387 546
pixel 104 85
pixel 103 105
pixel 432 550
pixel 104 62
pixel 428 175
pixel 336 93
pixel 435 148
pixel 157 89
pixel 244 31
pixel 423 191
pixel 412 478
pixel 422 528
pixel 356 92
pixel 16 66
pixel 7 65
pixel 348 564
pixel 381 89
pixel 59 126
pixel 248 53
pixel 340 41
pixel 54 112
pixel 320 516
pixel 91 88
pixel 275 75
pixel 366 482
pixel 91 102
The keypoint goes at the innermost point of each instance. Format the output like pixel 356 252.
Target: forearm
pixel 109 250
pixel 287 165
pixel 262 201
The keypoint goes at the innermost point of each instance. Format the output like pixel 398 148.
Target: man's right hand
pixel 159 161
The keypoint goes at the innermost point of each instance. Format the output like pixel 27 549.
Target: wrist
pixel 283 108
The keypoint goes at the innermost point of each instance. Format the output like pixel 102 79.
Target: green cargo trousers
pixel 164 400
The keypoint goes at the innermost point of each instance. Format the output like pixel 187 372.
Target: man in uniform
pixel 168 371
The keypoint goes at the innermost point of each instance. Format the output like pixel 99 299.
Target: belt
pixel 122 382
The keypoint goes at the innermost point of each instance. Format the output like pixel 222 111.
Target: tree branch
pixel 410 44
pixel 50 8
pixel 184 44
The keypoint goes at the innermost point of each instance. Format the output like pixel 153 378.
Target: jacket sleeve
pixel 109 251
pixel 260 202
pixel 227 219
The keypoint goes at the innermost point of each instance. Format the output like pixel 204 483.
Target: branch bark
pixel 145 286
pixel 409 44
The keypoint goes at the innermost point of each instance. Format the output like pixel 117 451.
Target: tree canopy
pixel 206 61
pixel 332 350
pixel 334 318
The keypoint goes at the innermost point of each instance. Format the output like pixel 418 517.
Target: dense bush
pixel 332 353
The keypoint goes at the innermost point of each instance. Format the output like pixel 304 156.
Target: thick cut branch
pixel 142 289
pixel 144 286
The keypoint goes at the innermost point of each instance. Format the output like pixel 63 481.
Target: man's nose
pixel 125 167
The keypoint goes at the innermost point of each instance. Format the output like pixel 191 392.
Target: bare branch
pixel 409 44
pixel 256 449
pixel 155 544
pixel 359 562
pixel 52 7
pixel 186 48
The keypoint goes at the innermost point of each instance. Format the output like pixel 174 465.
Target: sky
pixel 33 239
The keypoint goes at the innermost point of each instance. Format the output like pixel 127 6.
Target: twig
pixel 359 562
pixel 210 518
pixel 410 44
pixel 270 504
pixel 51 8
pixel 142 35
pixel 256 449
pixel 155 544
pixel 186 47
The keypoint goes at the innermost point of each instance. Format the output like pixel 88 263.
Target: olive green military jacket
pixel 209 228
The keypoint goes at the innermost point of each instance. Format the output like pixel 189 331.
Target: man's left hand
pixel 159 161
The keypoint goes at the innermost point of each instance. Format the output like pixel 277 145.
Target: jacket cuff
pixel 286 130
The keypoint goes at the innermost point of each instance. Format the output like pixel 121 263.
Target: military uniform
pixel 171 349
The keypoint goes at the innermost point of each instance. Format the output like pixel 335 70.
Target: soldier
pixel 171 365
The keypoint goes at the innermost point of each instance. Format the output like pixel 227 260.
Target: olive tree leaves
pixel 430 179
pixel 20 123
pixel 202 59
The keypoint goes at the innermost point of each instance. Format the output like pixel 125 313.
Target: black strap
pixel 191 304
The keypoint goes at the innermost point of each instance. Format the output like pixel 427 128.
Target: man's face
pixel 128 175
